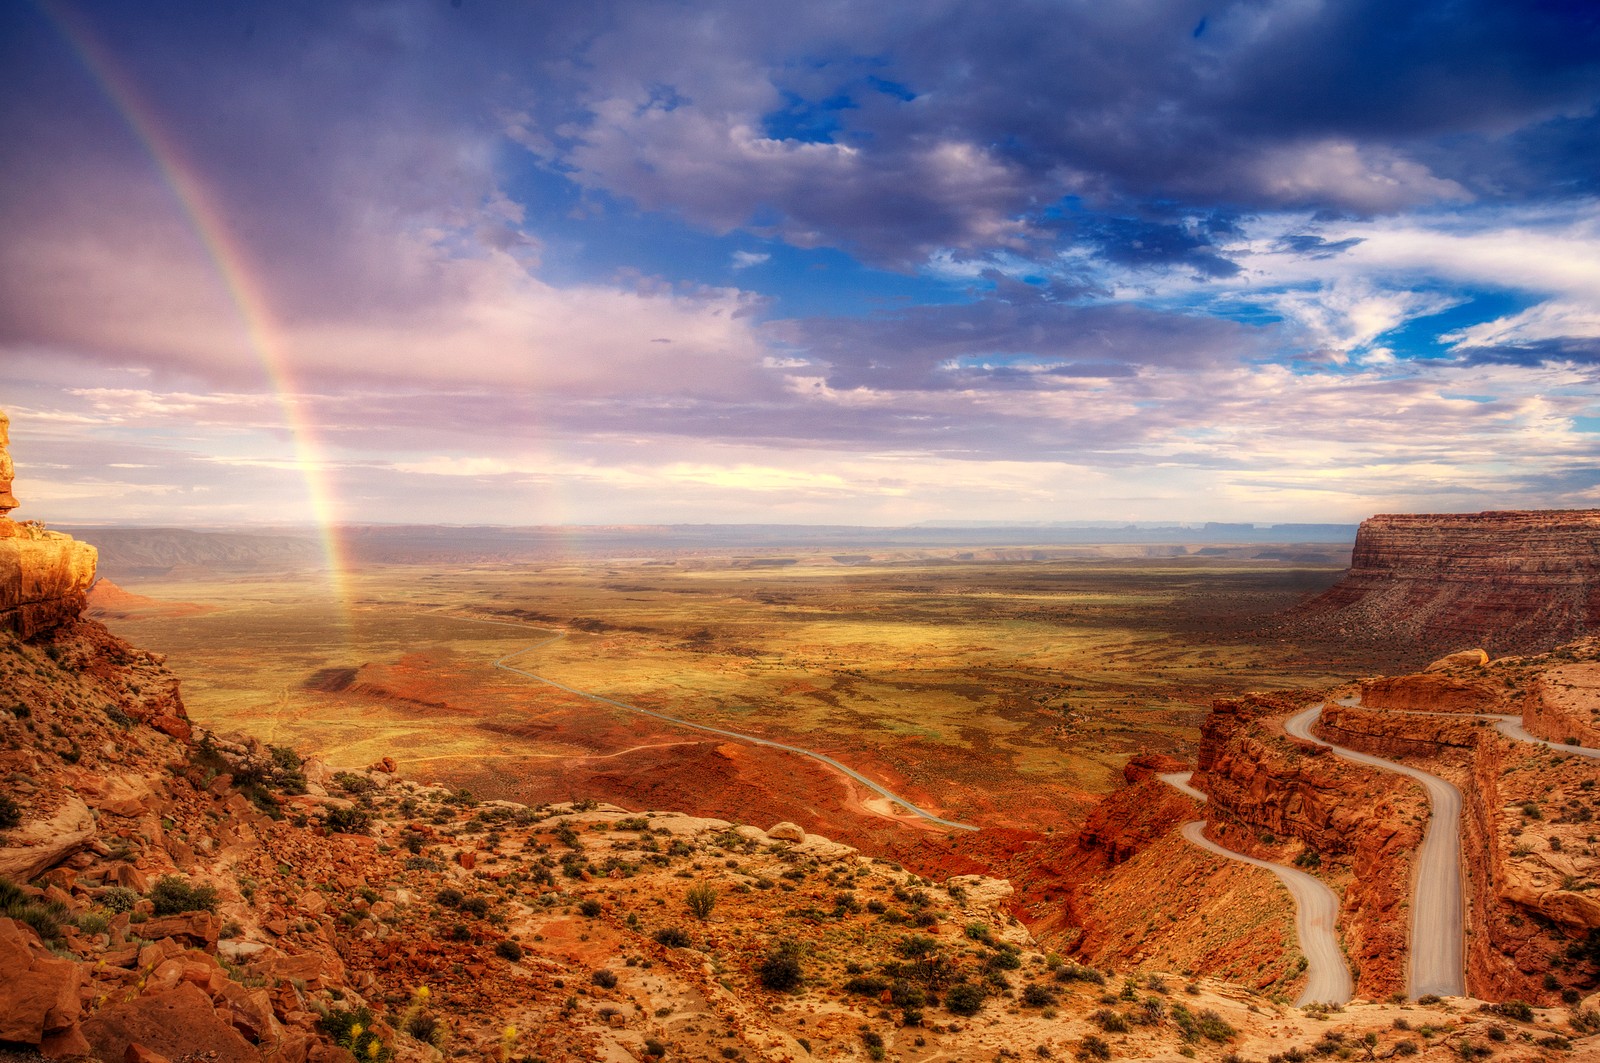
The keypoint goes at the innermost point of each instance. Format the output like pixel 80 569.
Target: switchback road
pixel 1436 921
pixel 1316 911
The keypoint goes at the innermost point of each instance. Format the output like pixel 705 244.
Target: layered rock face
pixel 1513 582
pixel 44 578
pixel 44 575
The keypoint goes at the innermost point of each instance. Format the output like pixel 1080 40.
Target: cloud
pixel 746 259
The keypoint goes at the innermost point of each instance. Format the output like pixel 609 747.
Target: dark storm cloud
pixel 1354 107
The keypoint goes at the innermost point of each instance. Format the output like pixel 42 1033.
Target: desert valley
pixel 623 531
pixel 741 800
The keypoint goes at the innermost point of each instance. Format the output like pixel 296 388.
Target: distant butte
pixel 1518 581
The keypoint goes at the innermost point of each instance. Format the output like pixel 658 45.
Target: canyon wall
pixel 1363 824
pixel 1512 582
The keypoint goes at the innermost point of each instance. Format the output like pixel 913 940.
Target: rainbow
pixel 233 267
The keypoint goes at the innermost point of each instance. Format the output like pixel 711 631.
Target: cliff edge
pixel 1512 582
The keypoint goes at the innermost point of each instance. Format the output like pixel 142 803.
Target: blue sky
pixel 847 263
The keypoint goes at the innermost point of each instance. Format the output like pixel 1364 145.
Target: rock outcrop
pixel 44 575
pixel 1512 582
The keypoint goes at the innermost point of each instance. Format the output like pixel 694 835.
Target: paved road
pixel 1436 922
pixel 675 721
pixel 1315 917
pixel 1510 726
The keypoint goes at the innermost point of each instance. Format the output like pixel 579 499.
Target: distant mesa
pixel 1518 581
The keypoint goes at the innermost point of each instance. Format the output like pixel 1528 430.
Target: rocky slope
pixel 1530 855
pixel 1512 582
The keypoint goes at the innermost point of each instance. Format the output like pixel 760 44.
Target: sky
pixel 484 261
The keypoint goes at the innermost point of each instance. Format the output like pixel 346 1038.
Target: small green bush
pixel 701 900
pixel 509 950
pixel 672 937
pixel 781 970
pixel 965 998
pixel 173 895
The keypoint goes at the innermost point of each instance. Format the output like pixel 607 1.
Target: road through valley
pixel 504 664
pixel 1316 911
pixel 1436 906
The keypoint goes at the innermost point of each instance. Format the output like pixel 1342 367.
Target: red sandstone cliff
pixel 1512 582
pixel 44 578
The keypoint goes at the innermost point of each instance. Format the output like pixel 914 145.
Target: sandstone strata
pixel 1512 582
pixel 44 575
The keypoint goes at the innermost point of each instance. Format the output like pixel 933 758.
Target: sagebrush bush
pixel 173 895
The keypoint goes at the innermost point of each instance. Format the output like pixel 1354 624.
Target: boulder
pixel 42 844
pixel 786 832
pixel 190 928
pixel 1463 659
pixel 171 1023
pixel 38 994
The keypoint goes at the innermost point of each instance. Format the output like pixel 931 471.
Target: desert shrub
pixel 509 950
pixel 424 1026
pixel 173 895
pixel 701 900
pixel 93 922
pixel 781 969
pixel 477 905
pixel 1517 1010
pixel 117 898
pixel 1213 1027
pixel 347 820
pixel 868 985
pixel 353 1030
pixel 1110 1021
pixel 449 897
pixel 1038 996
pixel 604 978
pixel 672 937
pixel 1073 972
pixel 906 994
pixel 872 1041
pixel 351 783
pixel 653 1048
pixel 589 907
pixel 965 998
pixel 1405 1048
pixel 1093 1047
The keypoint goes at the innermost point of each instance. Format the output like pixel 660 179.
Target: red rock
pixel 176 726
pixel 173 1023
pixel 193 928
pixel 386 765
pixel 467 859
pixel 39 994
pixel 137 1053
pixel 1512 582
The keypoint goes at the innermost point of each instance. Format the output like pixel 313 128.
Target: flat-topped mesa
pixel 1518 581
pixel 44 575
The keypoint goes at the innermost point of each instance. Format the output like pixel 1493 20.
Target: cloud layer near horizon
pixel 847 263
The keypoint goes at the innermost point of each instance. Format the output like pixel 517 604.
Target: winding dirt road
pixel 844 769
pixel 1436 921
pixel 1316 911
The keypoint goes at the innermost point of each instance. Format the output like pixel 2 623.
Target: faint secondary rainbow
pixel 232 266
